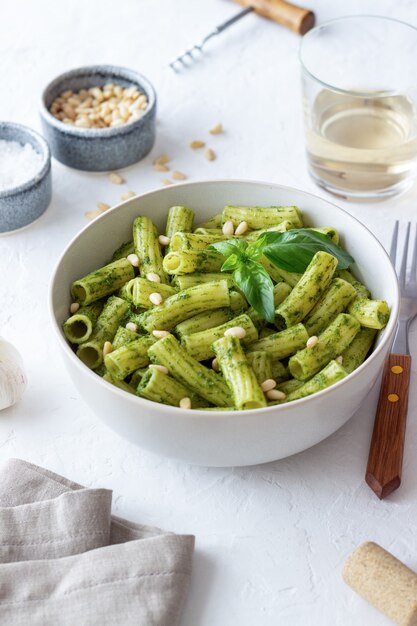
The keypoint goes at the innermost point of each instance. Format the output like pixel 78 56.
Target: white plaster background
pixel 271 540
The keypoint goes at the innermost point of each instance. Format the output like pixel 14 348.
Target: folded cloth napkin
pixel 65 560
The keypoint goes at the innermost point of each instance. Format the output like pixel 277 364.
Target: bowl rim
pixel 96 133
pixel 44 152
pixel 200 413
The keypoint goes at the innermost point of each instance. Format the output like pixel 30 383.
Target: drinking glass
pixel 359 78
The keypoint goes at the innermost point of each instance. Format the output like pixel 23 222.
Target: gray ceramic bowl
pixel 24 204
pixel 99 149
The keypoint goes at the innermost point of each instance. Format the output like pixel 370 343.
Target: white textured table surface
pixel 271 540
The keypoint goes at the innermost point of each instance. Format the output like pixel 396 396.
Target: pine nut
pixel 196 144
pixel 160 334
pixel 216 130
pixel 268 384
pixel 132 326
pixel 185 403
pixel 107 348
pixel 228 228
pixel 74 307
pixel 154 278
pixel 312 341
pixel 178 175
pixel 103 206
pixel 241 228
pixel 215 365
pixel 339 359
pixel 91 215
pixel 128 194
pixel 160 368
pixel 210 155
pixel 164 241
pixel 165 182
pixel 133 259
pixel 163 159
pixel 160 167
pixel 156 298
pixel 235 331
pixel 275 394
pixel 116 178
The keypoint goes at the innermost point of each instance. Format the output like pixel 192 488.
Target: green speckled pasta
pixel 123 251
pixel 370 313
pixel 279 371
pixel 281 291
pixel 210 232
pixel 200 345
pixel 192 241
pixel 79 327
pixel 102 282
pixel 190 261
pixel 183 281
pixel 91 352
pixel 202 380
pixel 261 363
pixel 283 344
pixel 211 318
pixel 213 222
pixel 138 291
pixel 128 358
pixel 331 344
pixel 288 386
pixel 277 274
pixel 147 248
pixel 330 232
pixel 334 301
pixel 361 290
pixel 123 336
pixel 329 375
pixel 356 352
pixel 262 217
pixel 185 304
pixel 180 219
pixel 160 387
pixel 137 376
pixel 280 228
pixel 239 374
pixel 308 290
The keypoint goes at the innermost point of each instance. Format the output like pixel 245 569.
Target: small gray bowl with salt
pixel 25 176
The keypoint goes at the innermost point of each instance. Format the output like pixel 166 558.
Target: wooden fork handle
pixel 289 15
pixel 383 472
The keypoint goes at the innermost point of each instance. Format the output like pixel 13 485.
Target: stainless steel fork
pixel 383 472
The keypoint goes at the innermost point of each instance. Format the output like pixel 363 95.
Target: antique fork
pixel 383 472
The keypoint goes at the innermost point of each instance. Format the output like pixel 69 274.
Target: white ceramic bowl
pixel 223 438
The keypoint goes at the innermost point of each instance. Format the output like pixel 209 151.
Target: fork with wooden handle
pixel 383 472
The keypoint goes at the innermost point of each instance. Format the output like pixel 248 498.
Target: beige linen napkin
pixel 65 560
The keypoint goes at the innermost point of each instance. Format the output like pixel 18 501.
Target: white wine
pixel 362 146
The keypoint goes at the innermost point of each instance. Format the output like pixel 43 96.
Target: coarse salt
pixel 18 164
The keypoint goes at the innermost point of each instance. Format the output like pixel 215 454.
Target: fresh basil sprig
pixel 291 250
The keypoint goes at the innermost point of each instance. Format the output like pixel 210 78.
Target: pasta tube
pixel 213 222
pixel 189 261
pixel 278 275
pixel 283 344
pixel 239 375
pixel 79 327
pixel 183 281
pixel 357 350
pixel 102 282
pixel 160 387
pixel 370 313
pixel 261 363
pixel 180 219
pixel 123 251
pixel 211 318
pixel 329 375
pixel 128 358
pixel 192 241
pixel 147 248
pixel 123 336
pixel 332 302
pixel 262 217
pixel 138 291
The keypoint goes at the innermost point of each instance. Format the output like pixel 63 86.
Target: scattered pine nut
pixel 132 326
pixel 160 167
pixel 228 228
pixel 154 278
pixel 312 341
pixel 178 175
pixel 161 368
pixel 216 130
pixel 133 259
pixel 268 384
pixel 235 331
pixel 275 394
pixel 210 155
pixel 156 298
pixel 241 228
pixel 107 348
pixel 339 359
pixel 74 307
pixel 103 206
pixel 196 144
pixel 165 182
pixel 215 365
pixel 115 178
pixel 185 403
pixel 91 215
pixel 162 160
pixel 128 194
pixel 163 240
pixel 160 334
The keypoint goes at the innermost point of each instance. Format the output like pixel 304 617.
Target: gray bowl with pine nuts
pixel 99 118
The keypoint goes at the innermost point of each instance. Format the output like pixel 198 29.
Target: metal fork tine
pixel 403 268
pixel 394 240
pixel 413 271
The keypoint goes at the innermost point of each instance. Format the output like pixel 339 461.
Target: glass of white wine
pixel 360 96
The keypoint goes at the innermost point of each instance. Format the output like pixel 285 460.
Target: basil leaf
pixel 256 284
pixel 293 249
pixel 256 249
pixel 231 263
pixel 228 247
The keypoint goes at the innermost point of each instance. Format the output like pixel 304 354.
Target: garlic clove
pixel 12 376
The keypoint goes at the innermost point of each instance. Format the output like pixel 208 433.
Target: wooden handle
pixel 383 472
pixel 289 15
